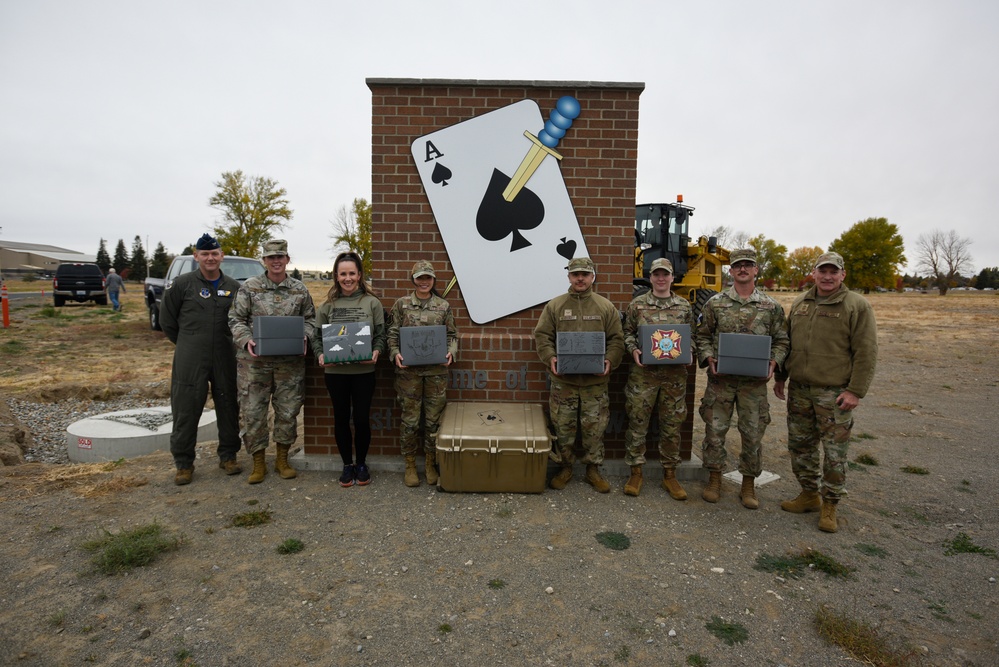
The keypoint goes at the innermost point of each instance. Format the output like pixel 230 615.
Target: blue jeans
pixel 114 299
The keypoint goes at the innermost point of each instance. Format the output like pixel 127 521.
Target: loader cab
pixel 661 230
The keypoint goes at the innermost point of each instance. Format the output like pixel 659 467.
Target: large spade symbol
pixel 498 218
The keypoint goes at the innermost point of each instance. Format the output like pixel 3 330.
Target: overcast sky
pixel 792 119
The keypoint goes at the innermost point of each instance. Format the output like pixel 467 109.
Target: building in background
pixel 23 259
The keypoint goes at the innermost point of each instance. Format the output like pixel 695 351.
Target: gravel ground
pixel 396 576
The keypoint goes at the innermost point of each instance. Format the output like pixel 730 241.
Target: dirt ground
pixel 397 576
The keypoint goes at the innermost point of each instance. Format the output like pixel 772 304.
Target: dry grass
pixel 35 479
pixel 87 351
pixel 90 352
pixel 19 285
pixel 111 486
pixel 81 351
pixel 865 642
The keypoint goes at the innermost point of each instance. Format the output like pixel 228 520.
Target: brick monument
pixel 496 361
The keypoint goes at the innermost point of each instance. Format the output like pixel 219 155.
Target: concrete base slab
pixel 128 433
pixel 765 477
pixel 687 471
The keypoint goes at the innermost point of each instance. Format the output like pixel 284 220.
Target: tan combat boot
pixel 560 480
pixel 259 469
pixel 230 466
pixel 712 492
pixel 748 493
pixel 431 468
pixel 281 463
pixel 595 479
pixel 410 477
pixel 807 501
pixel 634 484
pixel 183 476
pixel 672 486
pixel 827 518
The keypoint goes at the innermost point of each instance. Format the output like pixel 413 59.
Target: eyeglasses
pixel 742 266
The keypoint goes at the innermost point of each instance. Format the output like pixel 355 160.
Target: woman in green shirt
pixel 351 385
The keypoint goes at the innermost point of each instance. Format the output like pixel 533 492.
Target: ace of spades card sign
pixel 502 207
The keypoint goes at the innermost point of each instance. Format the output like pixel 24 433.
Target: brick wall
pixel 497 361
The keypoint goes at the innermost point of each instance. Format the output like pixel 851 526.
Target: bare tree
pixel 352 231
pixel 944 256
pixel 729 238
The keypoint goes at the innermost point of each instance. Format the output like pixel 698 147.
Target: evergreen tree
pixel 120 261
pixel 988 277
pixel 161 262
pixel 103 258
pixel 138 263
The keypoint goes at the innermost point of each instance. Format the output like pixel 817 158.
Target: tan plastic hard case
pixel 493 447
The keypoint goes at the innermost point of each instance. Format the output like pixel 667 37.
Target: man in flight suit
pixel 194 315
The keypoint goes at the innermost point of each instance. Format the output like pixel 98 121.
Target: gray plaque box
pixel 580 352
pixel 423 346
pixel 647 333
pixel 347 342
pixel 743 354
pixel 275 335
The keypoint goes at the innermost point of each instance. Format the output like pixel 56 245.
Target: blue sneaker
pixel 363 477
pixel 347 476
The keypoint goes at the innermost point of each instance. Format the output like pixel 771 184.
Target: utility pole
pixel 4 304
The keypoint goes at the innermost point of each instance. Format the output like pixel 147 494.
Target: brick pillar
pixel 497 361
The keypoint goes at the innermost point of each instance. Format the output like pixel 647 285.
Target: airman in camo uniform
pixel 276 382
pixel 580 402
pixel 834 350
pixel 655 388
pixel 421 390
pixel 739 309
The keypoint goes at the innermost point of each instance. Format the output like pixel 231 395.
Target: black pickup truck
pixel 78 281
pixel 239 268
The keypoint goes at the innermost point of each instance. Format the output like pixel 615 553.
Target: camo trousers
pixel 269 384
pixel 583 410
pixel 813 419
pixel 422 399
pixel 661 391
pixel 723 395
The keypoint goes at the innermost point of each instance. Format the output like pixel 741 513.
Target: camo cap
pixel 833 258
pixel 662 263
pixel 581 265
pixel 275 248
pixel 424 268
pixel 742 255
